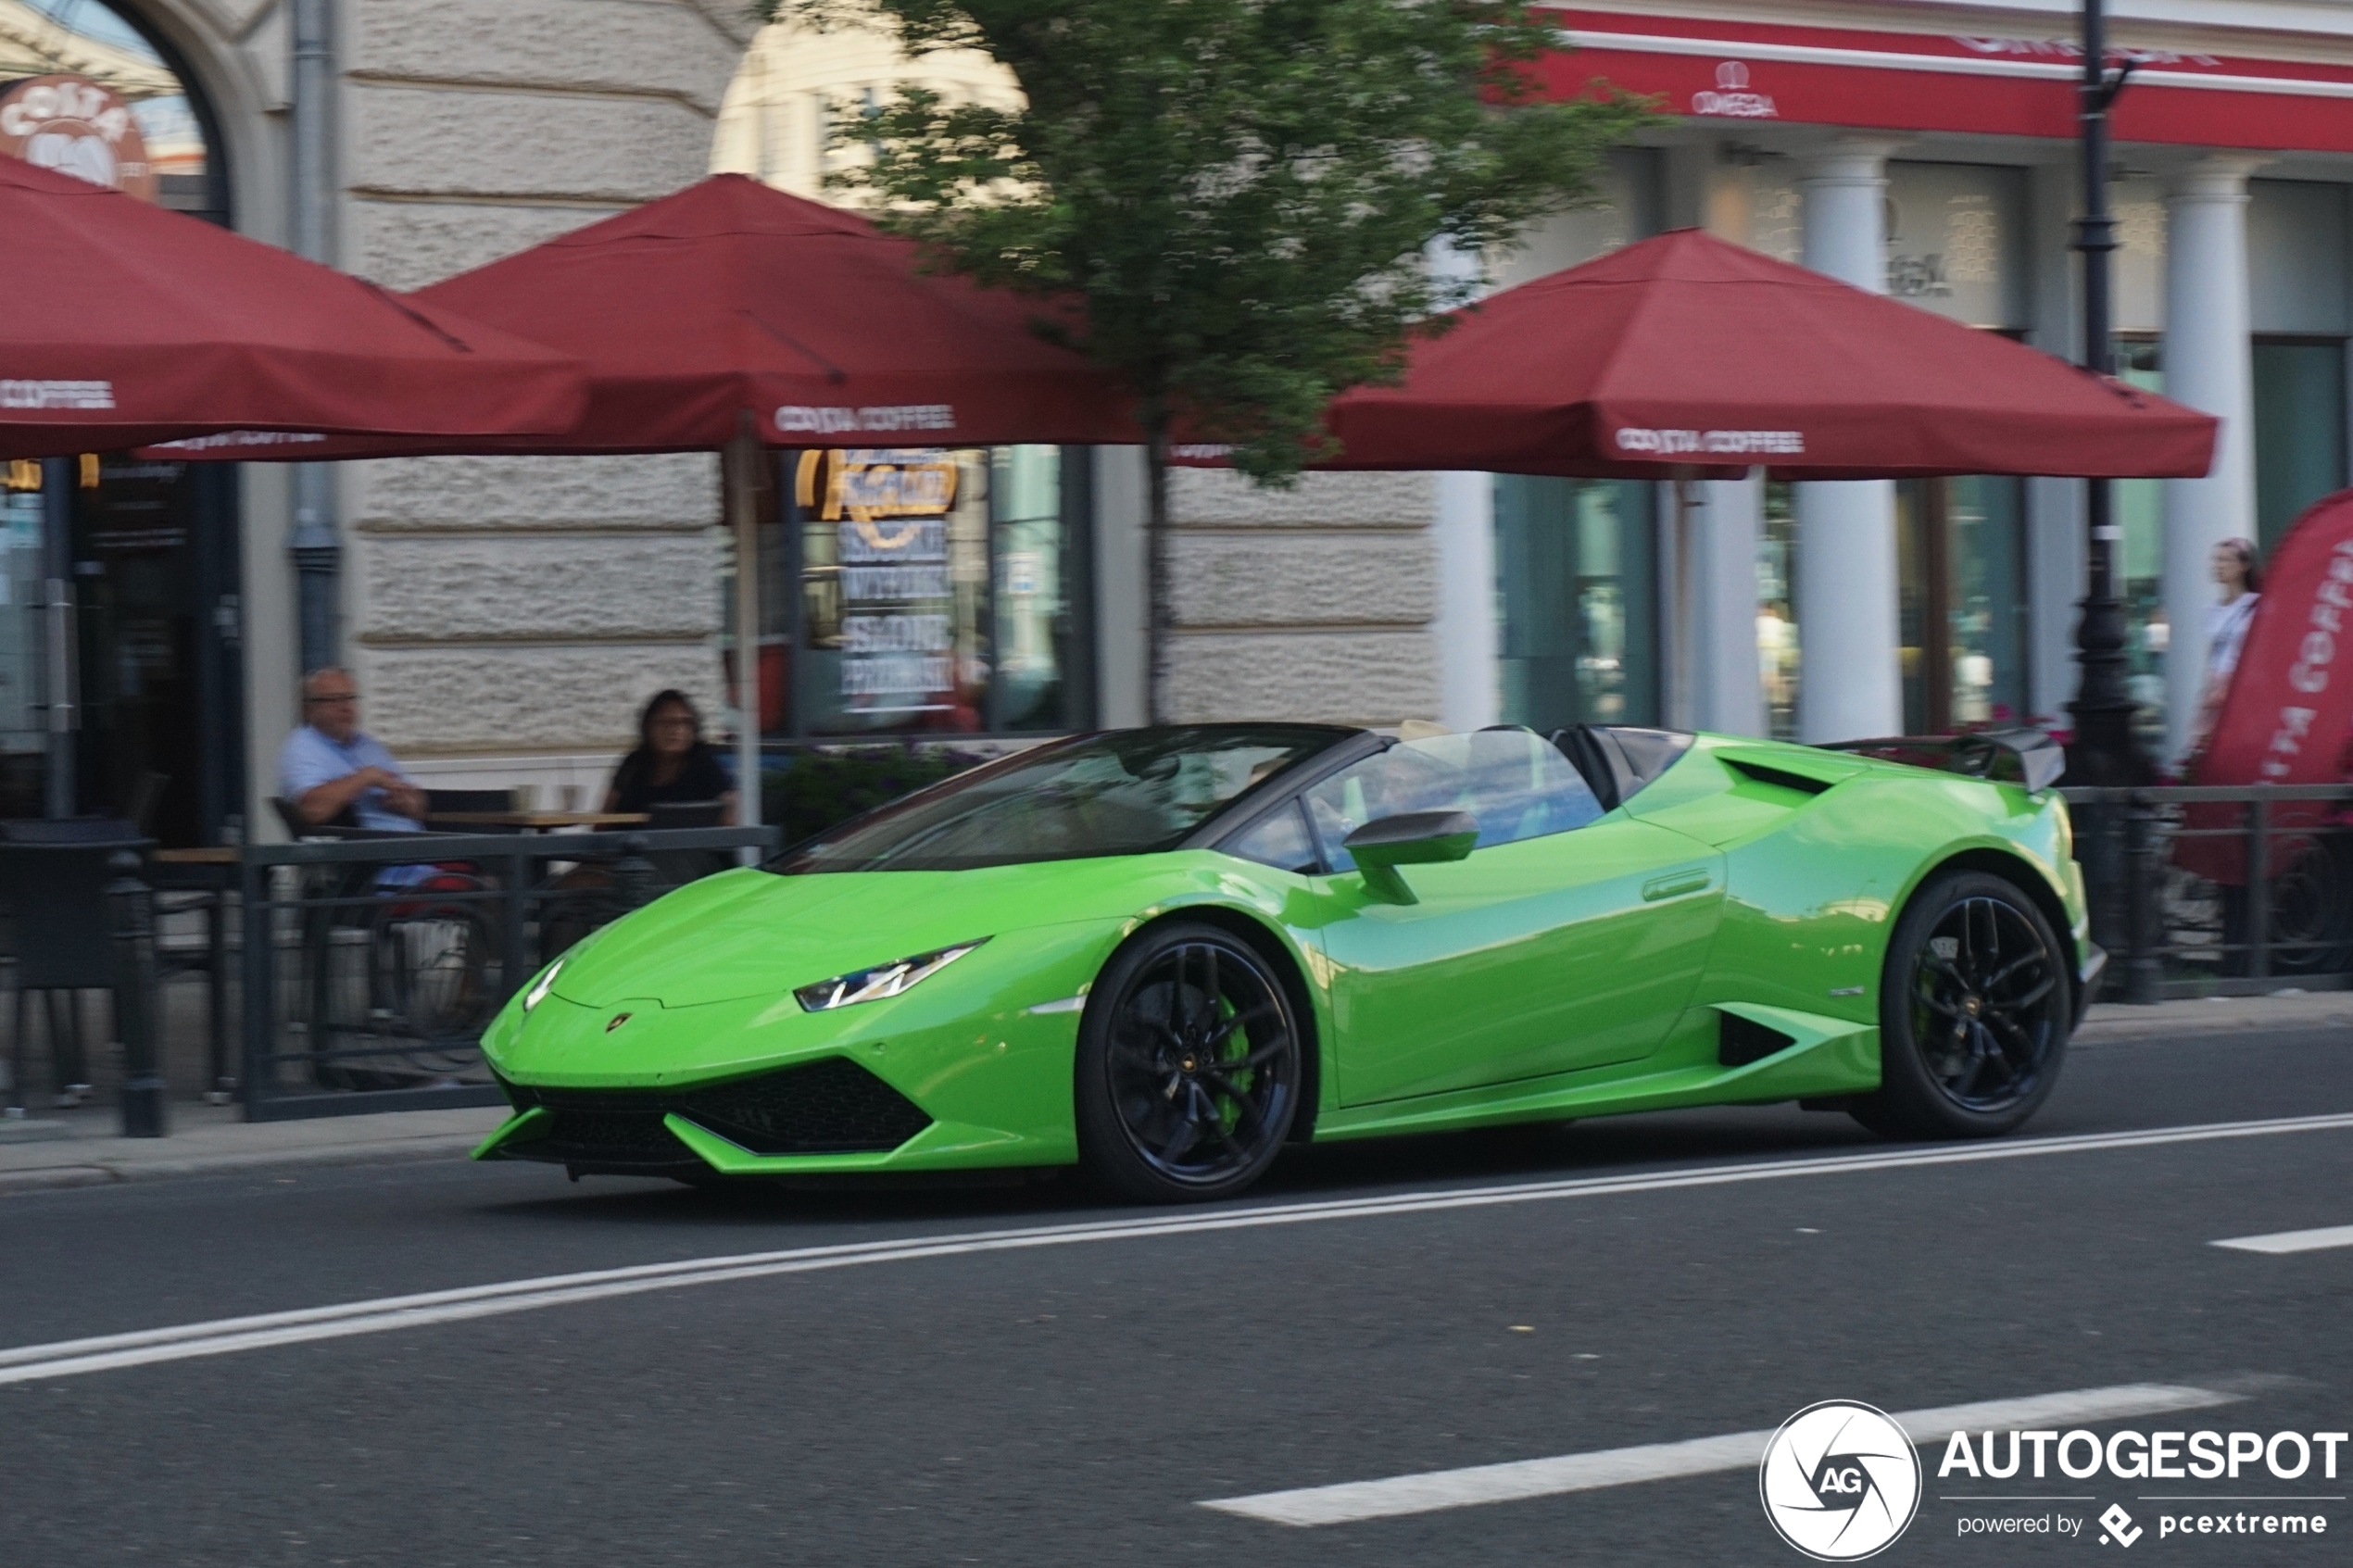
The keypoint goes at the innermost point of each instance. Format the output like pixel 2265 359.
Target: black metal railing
pixel 372 966
pixel 2218 890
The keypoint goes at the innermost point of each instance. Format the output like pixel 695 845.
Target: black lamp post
pixel 2106 752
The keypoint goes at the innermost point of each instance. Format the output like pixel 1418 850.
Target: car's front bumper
pixel 972 1068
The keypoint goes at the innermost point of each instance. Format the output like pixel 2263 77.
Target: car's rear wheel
pixel 1975 1007
pixel 1189 1066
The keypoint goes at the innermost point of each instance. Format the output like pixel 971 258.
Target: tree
pixel 1245 193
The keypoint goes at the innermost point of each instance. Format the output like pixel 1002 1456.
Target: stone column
pixel 1726 687
pixel 1464 627
pixel 1850 684
pixel 2209 365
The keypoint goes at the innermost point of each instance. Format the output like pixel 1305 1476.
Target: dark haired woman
pixel 2239 573
pixel 673 765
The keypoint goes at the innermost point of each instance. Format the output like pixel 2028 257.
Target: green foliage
pixel 1244 193
pixel 820 789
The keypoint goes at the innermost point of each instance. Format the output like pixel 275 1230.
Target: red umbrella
pixel 1687 352
pixel 128 324
pixel 731 301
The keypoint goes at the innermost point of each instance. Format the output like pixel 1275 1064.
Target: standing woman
pixel 673 765
pixel 2240 575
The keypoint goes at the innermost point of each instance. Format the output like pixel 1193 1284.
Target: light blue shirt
pixel 308 759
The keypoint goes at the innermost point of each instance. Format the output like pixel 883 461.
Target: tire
pixel 1189 1068
pixel 1976 1003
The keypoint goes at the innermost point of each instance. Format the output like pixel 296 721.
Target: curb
pixel 2209 1021
pixel 107 1173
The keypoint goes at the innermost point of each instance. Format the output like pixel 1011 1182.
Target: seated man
pixel 329 766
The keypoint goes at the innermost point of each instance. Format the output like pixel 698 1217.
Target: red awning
pixel 1689 353
pixel 1735 73
pixel 127 324
pixel 730 306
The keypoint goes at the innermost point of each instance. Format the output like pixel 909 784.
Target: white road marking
pixel 226 1335
pixel 2291 1241
pixel 1435 1489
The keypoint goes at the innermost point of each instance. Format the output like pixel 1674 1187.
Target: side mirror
pixel 1414 838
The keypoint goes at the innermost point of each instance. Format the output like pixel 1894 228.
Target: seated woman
pixel 673 765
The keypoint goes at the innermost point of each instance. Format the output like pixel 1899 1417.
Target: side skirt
pixel 1827 1057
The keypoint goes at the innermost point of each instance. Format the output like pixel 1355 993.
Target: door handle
pixel 1674 884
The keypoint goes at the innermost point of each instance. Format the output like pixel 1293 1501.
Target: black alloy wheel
pixel 1976 1004
pixel 1189 1067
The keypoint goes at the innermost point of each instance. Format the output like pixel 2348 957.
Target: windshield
pixel 1128 792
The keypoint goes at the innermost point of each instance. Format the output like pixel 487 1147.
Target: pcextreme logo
pixel 1840 1481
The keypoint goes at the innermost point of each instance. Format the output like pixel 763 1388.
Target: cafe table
pixel 538 822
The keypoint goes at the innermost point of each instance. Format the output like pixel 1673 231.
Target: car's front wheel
pixel 1189 1066
pixel 1976 1003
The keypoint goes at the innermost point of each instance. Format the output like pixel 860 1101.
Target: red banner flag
pixel 2285 716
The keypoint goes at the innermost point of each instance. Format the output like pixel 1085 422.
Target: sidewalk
pixel 80 1148
pixel 2283 1009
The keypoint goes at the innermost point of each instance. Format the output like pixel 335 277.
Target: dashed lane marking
pixel 2291 1241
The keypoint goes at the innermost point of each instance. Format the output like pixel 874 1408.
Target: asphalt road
pixel 1076 1403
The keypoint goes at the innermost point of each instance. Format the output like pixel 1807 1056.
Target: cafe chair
pixel 341 824
pixel 54 880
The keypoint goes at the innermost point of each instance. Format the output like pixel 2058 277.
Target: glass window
pixel 1515 782
pixel 96 99
pixel 1575 597
pixel 1130 792
pixel 1961 594
pixel 24 737
pixel 1281 841
pixel 1955 236
pixel 2299 430
pixel 1777 609
pixel 1985 603
pixel 2140 513
pixel 1033 634
pixel 937 593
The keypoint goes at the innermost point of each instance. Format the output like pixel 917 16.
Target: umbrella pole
pixel 1680 658
pixel 739 482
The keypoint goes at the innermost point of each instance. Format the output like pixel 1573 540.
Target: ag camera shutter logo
pixel 1840 1481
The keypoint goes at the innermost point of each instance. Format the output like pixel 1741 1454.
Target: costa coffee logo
pixel 1732 98
pixel 78 127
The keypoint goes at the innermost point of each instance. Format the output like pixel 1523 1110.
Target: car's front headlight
pixel 541 986
pixel 882 980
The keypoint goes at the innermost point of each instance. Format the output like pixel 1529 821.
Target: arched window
pixel 86 90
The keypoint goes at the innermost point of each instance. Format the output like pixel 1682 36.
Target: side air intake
pixel 1739 1041
pixel 1781 778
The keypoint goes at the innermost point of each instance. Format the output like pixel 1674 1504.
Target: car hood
pixel 751 933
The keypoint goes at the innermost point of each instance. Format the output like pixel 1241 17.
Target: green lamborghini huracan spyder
pixel 1165 953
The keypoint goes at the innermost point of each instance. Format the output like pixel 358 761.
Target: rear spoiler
pixel 2025 757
